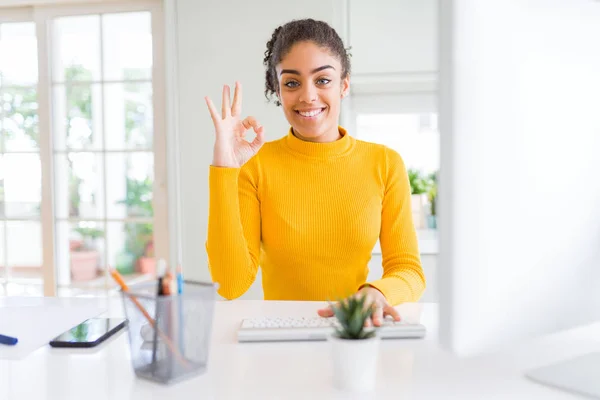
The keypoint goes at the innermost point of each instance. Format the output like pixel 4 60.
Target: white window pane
pixel 130 184
pixel 79 186
pixel 77 116
pixel 127 46
pixel 23 254
pixel 128 116
pixel 18 54
pixel 76 48
pixel 24 247
pixel 131 247
pixel 20 120
pixel 21 177
pixel 414 136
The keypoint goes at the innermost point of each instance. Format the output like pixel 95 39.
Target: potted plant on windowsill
pixel 355 348
pixel 147 262
pixel 84 256
pixel 432 197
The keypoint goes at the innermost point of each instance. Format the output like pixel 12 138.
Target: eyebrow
pixel 314 71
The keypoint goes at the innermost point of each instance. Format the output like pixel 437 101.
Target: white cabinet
pixel 391 37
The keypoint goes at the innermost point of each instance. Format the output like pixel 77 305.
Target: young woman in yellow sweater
pixel 309 207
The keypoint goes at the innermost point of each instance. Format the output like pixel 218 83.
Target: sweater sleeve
pixel 403 279
pixel 233 238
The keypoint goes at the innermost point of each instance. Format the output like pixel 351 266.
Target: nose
pixel 308 94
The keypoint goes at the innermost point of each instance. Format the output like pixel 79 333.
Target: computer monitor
pixel 519 196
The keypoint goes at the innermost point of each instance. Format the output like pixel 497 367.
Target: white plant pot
pixel 354 363
pixel 419 208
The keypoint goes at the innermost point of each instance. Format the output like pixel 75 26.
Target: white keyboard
pixel 275 329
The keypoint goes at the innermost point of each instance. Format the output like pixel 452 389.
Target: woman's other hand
pixel 374 299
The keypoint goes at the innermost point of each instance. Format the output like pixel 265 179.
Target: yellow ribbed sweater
pixel 309 214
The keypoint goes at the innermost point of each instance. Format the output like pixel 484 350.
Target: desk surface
pixel 408 369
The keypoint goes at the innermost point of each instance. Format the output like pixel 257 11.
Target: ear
pixel 345 86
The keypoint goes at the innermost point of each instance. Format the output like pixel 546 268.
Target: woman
pixel 309 207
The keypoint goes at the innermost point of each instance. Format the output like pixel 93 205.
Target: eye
pixel 323 81
pixel 291 84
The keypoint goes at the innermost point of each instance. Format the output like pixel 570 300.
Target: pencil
pixel 119 279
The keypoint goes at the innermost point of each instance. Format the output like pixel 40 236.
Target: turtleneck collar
pixel 320 150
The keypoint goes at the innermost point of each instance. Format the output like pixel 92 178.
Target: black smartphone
pixel 89 333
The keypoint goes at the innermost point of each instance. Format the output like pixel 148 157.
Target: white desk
pixel 408 369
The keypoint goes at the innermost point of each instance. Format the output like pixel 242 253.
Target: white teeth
pixel 311 113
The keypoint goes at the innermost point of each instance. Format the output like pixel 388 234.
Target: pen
pixel 8 340
pixel 179 280
pixel 181 325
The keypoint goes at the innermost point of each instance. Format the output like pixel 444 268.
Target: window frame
pixel 42 15
pixel 393 102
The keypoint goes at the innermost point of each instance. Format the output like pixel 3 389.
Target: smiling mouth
pixel 310 114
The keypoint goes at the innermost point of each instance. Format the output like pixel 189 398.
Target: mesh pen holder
pixel 169 336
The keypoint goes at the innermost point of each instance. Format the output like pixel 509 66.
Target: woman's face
pixel 311 90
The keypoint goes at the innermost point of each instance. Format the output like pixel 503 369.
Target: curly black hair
pixel 287 35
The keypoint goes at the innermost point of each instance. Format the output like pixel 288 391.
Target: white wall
pixel 220 42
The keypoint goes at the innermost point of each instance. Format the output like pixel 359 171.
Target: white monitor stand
pixel 578 375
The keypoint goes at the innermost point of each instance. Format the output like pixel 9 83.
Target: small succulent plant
pixel 351 314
